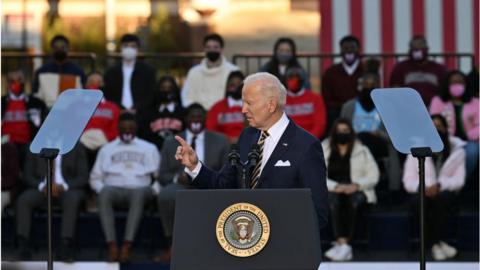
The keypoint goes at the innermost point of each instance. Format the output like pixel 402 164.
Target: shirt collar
pixel 120 142
pixel 232 102
pixel 16 98
pixel 351 69
pixel 189 135
pixel 299 93
pixel 170 107
pixel 279 127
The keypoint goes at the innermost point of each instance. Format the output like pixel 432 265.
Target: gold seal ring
pixel 242 229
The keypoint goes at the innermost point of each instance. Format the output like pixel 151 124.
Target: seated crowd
pixel 125 157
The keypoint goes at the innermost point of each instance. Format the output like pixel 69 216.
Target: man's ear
pixel 272 105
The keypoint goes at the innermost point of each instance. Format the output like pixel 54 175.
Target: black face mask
pixel 213 56
pixel 237 94
pixel 366 100
pixel 60 55
pixel 166 97
pixel 343 138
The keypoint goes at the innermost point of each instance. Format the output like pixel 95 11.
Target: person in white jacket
pixel 444 177
pixel 205 83
pixel 352 175
pixel 123 176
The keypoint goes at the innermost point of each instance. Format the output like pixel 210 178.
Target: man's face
pixel 349 47
pixel 60 50
pixel 196 121
pixel 257 107
pixel 212 46
pixel 418 44
pixel 127 127
pixel 94 81
pixel 369 82
pixel 131 44
pixel 233 84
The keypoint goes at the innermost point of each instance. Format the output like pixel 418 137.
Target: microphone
pixel 254 155
pixel 253 158
pixel 234 156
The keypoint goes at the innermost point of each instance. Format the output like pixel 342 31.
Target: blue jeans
pixel 471 151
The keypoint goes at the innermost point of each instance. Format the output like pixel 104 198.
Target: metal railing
pixel 316 63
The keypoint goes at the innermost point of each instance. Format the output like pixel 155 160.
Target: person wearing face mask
pixel 369 128
pixel 103 126
pixel 165 118
pixel 304 107
pixel 22 114
pixel 418 72
pixel 226 115
pixel 205 82
pixel 122 175
pixel 284 57
pixel 461 110
pixel 131 83
pixel 352 175
pixel 57 75
pixel 444 177
pixel 212 149
pixel 340 81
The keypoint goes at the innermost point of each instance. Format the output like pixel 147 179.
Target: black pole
pixel 421 166
pixel 421 153
pixel 49 155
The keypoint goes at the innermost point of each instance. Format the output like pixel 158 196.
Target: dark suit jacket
pixel 216 151
pixel 142 85
pixel 74 169
pixel 306 170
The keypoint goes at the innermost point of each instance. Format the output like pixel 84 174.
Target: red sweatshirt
pixel 106 119
pixel 308 111
pixel 224 119
pixel 15 122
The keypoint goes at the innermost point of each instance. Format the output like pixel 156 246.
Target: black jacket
pixel 35 106
pixel 142 85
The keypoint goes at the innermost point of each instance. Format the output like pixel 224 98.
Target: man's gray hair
pixel 270 84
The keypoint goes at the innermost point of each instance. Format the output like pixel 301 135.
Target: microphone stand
pixel 244 170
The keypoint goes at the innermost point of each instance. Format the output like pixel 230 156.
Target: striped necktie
pixel 256 171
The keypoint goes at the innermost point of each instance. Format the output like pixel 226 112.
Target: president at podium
pixel 288 156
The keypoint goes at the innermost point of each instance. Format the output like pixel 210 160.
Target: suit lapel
pixel 280 149
pixel 206 151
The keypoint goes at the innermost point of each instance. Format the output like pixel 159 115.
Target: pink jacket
pixel 451 176
pixel 469 115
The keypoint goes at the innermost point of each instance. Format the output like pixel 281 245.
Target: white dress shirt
pixel 58 177
pixel 199 143
pixel 275 133
pixel 127 100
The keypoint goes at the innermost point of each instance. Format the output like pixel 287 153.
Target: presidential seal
pixel 242 229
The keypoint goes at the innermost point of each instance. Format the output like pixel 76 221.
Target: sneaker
pixel 344 253
pixel 448 250
pixel 330 254
pixel 437 253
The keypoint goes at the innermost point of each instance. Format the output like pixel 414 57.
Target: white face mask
pixel 129 53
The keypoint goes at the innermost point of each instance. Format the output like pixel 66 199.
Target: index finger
pixel 181 141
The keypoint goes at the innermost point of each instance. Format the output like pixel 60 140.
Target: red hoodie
pixel 224 119
pixel 307 110
pixel 106 119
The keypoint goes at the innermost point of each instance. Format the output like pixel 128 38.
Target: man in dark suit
pixel 290 156
pixel 70 178
pixel 212 149
pixel 131 83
